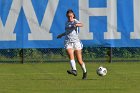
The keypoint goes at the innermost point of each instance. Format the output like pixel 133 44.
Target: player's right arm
pixel 60 35
pixel 63 34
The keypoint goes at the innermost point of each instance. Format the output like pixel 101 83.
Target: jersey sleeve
pixel 76 21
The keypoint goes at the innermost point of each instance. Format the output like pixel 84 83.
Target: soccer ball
pixel 101 71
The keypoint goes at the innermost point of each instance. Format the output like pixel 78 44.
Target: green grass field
pixel 52 78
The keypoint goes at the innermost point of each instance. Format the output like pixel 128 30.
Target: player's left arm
pixel 73 26
pixel 78 23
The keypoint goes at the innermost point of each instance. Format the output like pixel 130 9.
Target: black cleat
pixel 73 72
pixel 84 76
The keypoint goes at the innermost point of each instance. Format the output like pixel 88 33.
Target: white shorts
pixel 73 45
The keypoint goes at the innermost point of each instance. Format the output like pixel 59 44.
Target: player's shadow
pixel 86 79
pixel 61 79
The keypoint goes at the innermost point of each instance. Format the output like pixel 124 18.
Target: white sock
pixel 83 68
pixel 73 64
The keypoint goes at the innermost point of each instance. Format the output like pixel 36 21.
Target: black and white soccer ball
pixel 101 71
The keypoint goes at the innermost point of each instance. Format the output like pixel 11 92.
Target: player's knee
pixel 80 62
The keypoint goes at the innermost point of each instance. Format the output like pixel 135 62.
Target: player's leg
pixel 80 60
pixel 78 51
pixel 70 53
pixel 82 64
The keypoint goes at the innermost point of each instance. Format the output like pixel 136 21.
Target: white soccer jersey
pixel 71 31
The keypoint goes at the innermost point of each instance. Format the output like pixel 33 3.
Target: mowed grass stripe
pixel 52 78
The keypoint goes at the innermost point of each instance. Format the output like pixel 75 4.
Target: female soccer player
pixel 73 44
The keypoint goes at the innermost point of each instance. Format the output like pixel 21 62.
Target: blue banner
pixel 36 23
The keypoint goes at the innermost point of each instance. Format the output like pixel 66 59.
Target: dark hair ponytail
pixel 70 11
